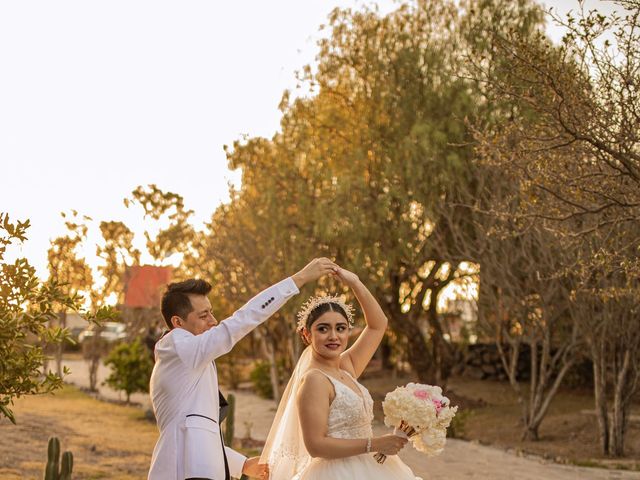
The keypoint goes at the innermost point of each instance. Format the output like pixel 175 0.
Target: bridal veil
pixel 284 450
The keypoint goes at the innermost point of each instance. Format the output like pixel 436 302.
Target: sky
pixel 97 98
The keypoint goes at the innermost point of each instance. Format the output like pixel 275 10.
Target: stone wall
pixel 481 361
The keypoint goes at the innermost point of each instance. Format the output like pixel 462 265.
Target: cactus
pixel 53 455
pixel 52 470
pixel 229 431
pixel 67 466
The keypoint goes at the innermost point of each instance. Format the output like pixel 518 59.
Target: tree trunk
pixel 620 409
pixel 599 390
pixel 420 362
pixel 62 317
pixel 429 358
pixel 94 363
pixel 531 433
pixel 442 352
pixel 537 414
pixel 385 353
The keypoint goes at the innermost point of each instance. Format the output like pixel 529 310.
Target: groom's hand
pixel 254 469
pixel 316 268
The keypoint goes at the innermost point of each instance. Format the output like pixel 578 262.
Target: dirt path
pixel 461 460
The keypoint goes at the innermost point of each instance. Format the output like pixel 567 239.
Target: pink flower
pixel 438 405
pixel 421 394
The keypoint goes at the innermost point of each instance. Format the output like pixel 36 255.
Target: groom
pixel 184 384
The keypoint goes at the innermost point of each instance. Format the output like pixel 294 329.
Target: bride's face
pixel 329 334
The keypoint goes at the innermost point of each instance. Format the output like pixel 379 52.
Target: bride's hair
pixel 315 307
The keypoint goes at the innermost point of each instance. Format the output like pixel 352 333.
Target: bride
pixel 322 428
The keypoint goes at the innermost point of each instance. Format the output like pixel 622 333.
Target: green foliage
pixel 178 236
pixel 27 308
pixel 230 421
pixel 70 270
pixel 371 168
pixel 261 380
pixel 131 367
pixel 56 470
pixel 456 429
pixel 117 254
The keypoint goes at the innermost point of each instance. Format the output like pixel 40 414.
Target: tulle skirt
pixel 358 467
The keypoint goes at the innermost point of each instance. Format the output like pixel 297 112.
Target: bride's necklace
pixel 335 373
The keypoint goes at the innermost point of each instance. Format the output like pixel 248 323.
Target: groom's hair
pixel 176 301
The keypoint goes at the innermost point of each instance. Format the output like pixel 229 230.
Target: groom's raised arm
pixel 219 340
pixel 195 350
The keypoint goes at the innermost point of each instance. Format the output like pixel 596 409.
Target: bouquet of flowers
pixel 421 413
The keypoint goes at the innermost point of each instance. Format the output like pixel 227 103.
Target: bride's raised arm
pixel 357 357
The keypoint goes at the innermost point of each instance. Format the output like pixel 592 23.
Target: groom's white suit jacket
pixel 184 392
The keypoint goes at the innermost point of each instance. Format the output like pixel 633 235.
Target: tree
pixel 572 138
pixel 526 301
pixel 609 313
pixel 118 253
pixel 175 235
pixel 369 166
pixel 131 368
pixel 253 245
pixel 572 142
pixel 71 272
pixel 27 309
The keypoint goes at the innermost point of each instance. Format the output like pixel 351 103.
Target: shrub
pixel 456 429
pixel 130 368
pixel 261 379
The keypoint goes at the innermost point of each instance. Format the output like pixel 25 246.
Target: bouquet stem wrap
pixel 403 430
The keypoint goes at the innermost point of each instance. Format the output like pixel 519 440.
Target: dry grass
pixel 107 440
pixel 115 441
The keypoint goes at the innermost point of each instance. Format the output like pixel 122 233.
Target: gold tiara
pixel 315 302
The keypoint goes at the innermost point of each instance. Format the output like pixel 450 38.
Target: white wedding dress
pixel 350 416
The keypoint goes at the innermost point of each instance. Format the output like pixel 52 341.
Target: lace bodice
pixel 350 414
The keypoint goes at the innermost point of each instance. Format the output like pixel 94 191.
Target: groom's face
pixel 200 319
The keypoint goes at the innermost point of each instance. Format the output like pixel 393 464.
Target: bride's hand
pixel 252 468
pixel 388 444
pixel 350 279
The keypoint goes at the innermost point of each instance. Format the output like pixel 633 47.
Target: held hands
pixel 318 267
pixel 350 279
pixel 254 469
pixel 388 444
